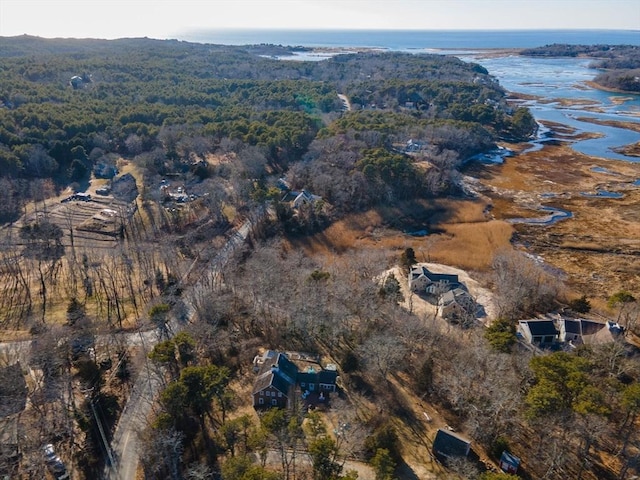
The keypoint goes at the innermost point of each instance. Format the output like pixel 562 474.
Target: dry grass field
pixel 459 233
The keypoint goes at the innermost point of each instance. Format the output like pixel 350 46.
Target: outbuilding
pixel 448 444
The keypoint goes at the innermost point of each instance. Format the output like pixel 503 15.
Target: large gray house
pixel 422 280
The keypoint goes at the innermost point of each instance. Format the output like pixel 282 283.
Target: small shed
pixel 448 444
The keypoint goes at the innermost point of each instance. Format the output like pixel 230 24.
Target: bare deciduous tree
pixel 522 285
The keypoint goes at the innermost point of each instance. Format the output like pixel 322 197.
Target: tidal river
pixel 562 96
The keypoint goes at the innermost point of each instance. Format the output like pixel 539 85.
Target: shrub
pixel 383 437
pixel 501 335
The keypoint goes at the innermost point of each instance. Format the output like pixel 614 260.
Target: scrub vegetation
pixel 194 256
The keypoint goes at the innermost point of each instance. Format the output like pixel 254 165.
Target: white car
pixel 54 463
pixel 49 453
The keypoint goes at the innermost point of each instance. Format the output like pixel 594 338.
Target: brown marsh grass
pixel 460 233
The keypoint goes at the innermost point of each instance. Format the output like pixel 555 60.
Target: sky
pixel 170 19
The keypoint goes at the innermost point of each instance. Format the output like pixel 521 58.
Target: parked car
pixel 55 465
pixel 49 453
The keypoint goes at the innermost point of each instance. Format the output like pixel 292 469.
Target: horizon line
pixel 191 31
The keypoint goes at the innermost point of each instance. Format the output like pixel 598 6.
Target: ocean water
pixel 414 39
pixel 560 93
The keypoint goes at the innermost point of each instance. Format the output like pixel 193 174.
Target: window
pixel 311 385
pixel 261 400
pixel 274 402
pixel 267 393
pixel 261 392
pixel 302 384
pixel 280 394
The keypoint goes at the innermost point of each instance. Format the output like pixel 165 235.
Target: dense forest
pixel 186 268
pixel 621 63
pixel 67 106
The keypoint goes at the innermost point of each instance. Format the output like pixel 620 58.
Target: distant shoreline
pixel 413 39
pixel 597 86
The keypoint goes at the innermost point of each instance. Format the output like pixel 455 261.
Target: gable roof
pixel 420 270
pixel 449 444
pixel 281 363
pixel 607 334
pixel 540 327
pixel 271 379
pixel 298 198
pixel 278 371
pixel 286 368
pixel 327 376
pixel 590 327
pixel 572 326
pixel 457 295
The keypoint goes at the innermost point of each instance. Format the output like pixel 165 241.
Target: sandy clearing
pixel 420 306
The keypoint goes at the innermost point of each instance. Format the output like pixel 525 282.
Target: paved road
pixel 147 385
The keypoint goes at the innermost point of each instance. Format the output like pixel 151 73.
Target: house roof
pixel 590 328
pixel 448 298
pixel 276 371
pixel 540 327
pixel 607 334
pixel 582 326
pixel 271 379
pixel 327 376
pixel 297 198
pixel 449 444
pixel 457 295
pixel 279 372
pixel 572 326
pixel 420 270
pixel 286 367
